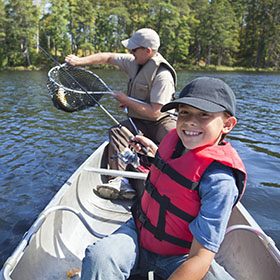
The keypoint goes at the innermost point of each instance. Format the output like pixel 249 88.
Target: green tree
pixel 56 27
pixel 172 19
pixel 239 32
pixel 273 46
pixel 21 22
pixel 2 33
pixel 138 11
pixel 199 10
pixel 104 38
pixel 225 31
pixel 219 31
pixel 268 33
pixel 260 34
pixel 81 24
pixel 120 21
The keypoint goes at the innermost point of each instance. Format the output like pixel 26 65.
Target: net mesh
pixel 70 94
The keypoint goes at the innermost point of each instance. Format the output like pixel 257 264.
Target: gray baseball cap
pixel 206 94
pixel 145 37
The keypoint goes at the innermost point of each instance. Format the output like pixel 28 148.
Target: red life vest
pixel 171 200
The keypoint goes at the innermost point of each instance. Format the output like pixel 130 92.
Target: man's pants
pixel 118 141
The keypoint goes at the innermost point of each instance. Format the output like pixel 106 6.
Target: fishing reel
pixel 129 156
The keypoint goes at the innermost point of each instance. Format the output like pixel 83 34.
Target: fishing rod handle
pixel 128 133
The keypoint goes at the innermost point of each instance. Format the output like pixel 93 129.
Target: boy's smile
pixel 197 128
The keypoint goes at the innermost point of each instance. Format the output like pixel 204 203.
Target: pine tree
pixel 2 33
pixel 21 22
pixel 56 27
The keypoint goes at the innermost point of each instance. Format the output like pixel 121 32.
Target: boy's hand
pixel 150 146
pixel 196 265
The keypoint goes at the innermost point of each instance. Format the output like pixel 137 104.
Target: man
pixel 152 81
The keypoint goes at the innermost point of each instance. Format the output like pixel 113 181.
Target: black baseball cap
pixel 206 94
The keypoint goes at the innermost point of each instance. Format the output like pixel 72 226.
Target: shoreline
pixel 215 68
pixel 211 68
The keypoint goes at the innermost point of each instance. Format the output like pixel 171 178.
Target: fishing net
pixel 74 88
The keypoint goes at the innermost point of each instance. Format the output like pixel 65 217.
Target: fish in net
pixel 74 88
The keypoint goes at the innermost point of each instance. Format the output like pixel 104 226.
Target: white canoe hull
pixel 60 242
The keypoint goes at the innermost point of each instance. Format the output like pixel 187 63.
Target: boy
pixel 195 180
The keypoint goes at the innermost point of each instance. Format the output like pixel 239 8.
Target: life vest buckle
pixel 149 188
pixel 142 218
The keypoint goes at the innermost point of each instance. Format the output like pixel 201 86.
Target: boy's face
pixel 198 128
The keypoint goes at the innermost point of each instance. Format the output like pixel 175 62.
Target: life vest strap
pixel 173 174
pixel 142 218
pixel 164 202
pixel 152 191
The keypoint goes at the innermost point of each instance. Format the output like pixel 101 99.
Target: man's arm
pixel 152 110
pixel 98 58
pixel 196 265
pixel 145 109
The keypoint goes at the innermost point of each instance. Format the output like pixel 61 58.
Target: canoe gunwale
pixel 17 254
pixel 267 240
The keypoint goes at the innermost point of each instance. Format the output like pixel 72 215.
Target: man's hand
pixel 120 96
pixel 73 60
pixel 151 110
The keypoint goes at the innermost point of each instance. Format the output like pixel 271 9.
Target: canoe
pixel 77 216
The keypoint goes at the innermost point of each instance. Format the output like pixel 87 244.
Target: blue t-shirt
pixel 218 192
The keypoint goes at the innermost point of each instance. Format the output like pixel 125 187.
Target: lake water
pixel 40 146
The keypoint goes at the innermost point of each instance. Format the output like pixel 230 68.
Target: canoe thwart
pixel 111 172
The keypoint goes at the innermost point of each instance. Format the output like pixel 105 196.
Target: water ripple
pixel 42 146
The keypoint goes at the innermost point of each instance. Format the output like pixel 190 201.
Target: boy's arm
pixel 218 194
pixel 196 265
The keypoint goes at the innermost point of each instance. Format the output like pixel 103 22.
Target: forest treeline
pixel 243 33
